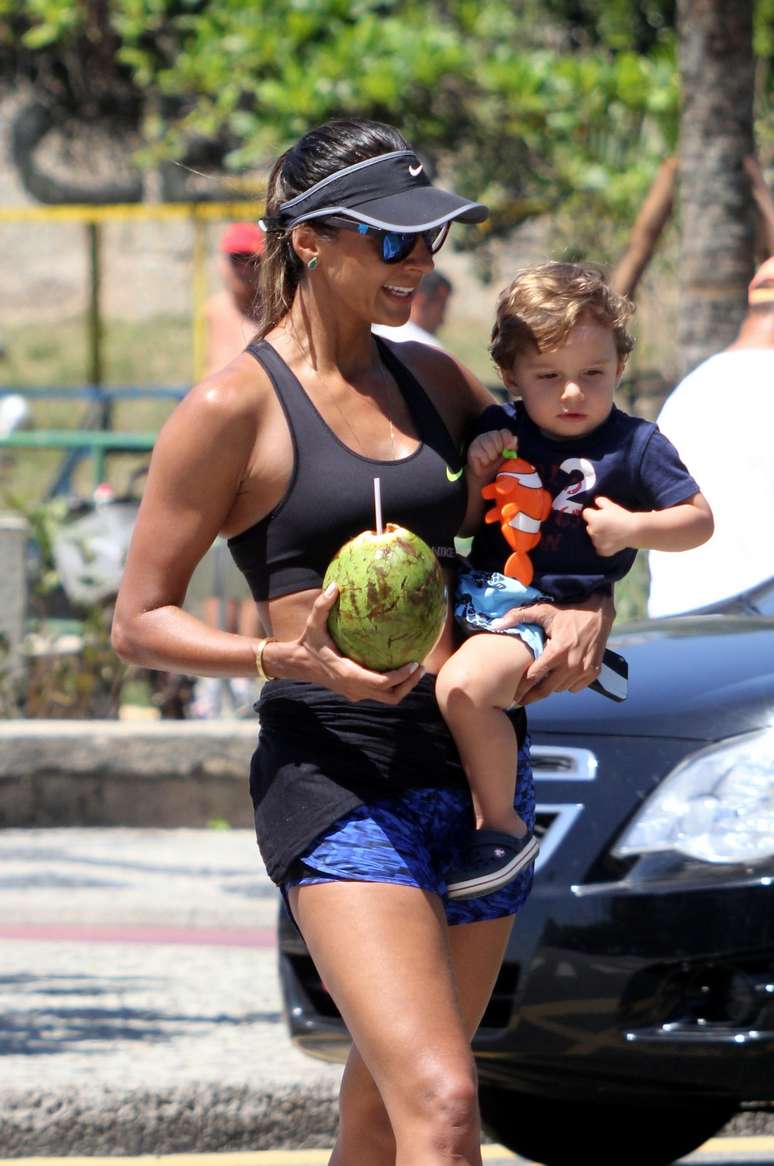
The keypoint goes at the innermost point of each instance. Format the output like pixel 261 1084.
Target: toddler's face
pixel 569 392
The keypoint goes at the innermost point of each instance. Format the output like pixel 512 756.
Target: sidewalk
pixel 139 999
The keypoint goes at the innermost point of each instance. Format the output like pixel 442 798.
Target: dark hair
pixel 432 284
pixel 318 154
pixel 544 303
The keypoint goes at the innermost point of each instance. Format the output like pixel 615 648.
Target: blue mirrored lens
pixel 396 245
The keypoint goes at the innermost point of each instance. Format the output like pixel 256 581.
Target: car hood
pixel 700 678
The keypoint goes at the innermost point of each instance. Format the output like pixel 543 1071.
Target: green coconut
pixel 391 606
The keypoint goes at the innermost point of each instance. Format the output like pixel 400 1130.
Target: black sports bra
pixel 329 498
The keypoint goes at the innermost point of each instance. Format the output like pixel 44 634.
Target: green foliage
pixel 70 669
pixel 73 676
pixel 51 21
pixel 565 106
pixel 631 594
pixel 530 106
pixel 763 33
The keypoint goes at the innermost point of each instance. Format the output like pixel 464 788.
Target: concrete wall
pixel 114 773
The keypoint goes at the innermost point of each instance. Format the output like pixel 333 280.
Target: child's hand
pixel 485 452
pixel 610 527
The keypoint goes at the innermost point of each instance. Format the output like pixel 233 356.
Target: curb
pixel 125 773
pixel 194 1119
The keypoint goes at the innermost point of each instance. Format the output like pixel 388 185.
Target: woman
pixel 359 806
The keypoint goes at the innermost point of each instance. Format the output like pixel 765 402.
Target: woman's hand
pixel 575 640
pixel 324 664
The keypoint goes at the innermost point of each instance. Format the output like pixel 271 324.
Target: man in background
pixel 217 591
pixel 230 314
pixel 721 418
pixel 428 312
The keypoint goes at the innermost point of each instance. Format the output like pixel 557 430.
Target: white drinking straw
pixel 378 504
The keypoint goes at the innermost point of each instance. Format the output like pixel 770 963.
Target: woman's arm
pixel 575 641
pixel 198 464
pixel 199 469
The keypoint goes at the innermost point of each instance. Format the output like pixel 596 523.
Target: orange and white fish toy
pixel 521 505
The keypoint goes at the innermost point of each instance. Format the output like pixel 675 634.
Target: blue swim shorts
pixel 482 597
pixel 413 840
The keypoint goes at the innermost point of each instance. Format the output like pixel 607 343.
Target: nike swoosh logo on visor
pixel 455 477
pixel 415 170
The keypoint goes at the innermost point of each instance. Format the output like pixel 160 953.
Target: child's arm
pixel 485 453
pixel 678 528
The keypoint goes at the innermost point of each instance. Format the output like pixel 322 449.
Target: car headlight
pixel 717 806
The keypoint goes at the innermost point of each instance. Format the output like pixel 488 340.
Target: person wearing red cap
pixel 721 417
pixel 217 591
pixel 230 315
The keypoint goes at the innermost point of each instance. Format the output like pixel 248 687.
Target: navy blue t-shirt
pixel 625 459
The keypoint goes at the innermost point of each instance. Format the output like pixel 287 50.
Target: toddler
pixel 605 484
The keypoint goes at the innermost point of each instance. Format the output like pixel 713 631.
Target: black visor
pixel 391 191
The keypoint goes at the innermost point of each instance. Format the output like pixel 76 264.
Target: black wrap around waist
pixel 320 755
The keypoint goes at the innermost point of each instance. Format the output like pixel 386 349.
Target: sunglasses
pixel 395 246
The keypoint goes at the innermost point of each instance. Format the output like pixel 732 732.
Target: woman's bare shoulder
pixel 230 403
pixel 237 389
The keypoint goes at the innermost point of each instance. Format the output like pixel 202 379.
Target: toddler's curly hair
pixel 545 302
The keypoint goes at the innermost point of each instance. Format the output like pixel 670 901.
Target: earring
pixel 312 263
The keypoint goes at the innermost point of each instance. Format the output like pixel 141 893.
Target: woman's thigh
pixel 476 951
pixel 385 955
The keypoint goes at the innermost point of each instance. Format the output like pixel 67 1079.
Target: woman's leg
pixel 474 688
pixel 365 1135
pixel 385 954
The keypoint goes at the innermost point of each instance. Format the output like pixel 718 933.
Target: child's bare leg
pixel 474 688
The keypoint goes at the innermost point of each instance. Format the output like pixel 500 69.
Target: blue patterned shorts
pixel 413 840
pixel 482 597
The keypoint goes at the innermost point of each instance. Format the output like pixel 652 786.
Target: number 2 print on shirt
pixel 564 501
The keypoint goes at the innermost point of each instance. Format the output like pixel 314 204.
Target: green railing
pixel 97 443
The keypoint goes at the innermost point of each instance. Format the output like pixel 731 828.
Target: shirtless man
pixel 230 313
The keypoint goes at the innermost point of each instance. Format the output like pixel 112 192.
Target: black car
pixel 636 1003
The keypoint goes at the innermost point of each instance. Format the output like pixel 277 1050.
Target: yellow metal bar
pixel 93 315
pixel 199 296
pixel 119 212
pixel 229 1158
pixel 719 1149
pixel 233 1158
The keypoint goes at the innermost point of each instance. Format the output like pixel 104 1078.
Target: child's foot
pixel 490 860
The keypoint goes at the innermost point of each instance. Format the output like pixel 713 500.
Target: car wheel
pixel 556 1132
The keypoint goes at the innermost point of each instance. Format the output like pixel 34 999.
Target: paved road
pixel 717 1152
pixel 140 1002
pixel 140 1009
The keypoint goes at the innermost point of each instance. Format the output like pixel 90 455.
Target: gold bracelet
pixel 259 650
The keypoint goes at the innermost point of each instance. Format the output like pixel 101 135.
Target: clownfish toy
pixel 521 505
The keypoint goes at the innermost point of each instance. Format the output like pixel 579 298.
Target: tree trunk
pixel 716 203
pixel 646 231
